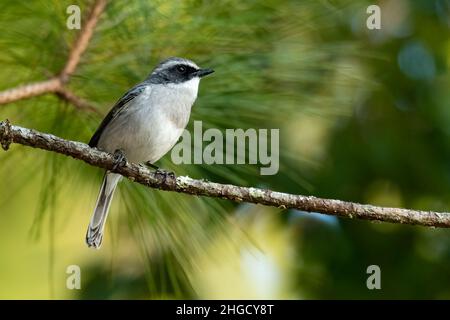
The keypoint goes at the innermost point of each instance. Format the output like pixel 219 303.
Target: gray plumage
pixel 145 124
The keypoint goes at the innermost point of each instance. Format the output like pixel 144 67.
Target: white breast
pixel 152 123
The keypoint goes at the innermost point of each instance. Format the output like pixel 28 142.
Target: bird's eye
pixel 181 69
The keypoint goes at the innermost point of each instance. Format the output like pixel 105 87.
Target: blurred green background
pixel 364 115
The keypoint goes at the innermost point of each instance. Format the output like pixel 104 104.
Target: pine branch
pixel 138 173
pixel 30 90
pixel 56 84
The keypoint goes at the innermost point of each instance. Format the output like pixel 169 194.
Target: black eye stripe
pixel 182 68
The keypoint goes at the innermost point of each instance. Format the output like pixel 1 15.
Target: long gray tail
pixel 94 234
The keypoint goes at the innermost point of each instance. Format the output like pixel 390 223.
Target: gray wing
pixel 118 107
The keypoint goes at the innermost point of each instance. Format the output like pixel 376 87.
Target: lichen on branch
pixel 158 180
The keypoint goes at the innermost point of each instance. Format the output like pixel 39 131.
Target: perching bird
pixel 143 126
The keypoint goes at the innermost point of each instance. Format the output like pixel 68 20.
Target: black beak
pixel 203 72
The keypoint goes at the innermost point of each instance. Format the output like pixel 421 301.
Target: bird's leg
pixel 151 165
pixel 160 171
pixel 119 159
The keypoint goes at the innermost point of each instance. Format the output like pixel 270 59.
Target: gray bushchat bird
pixel 143 126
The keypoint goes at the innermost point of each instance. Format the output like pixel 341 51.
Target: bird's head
pixel 177 71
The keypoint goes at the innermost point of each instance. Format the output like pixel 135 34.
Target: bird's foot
pixel 166 174
pixel 158 171
pixel 119 159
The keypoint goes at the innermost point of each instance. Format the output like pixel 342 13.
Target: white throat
pixel 188 88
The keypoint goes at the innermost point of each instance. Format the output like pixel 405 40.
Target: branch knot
pixel 5 134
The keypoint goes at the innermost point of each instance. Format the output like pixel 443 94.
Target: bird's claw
pixel 119 159
pixel 158 171
pixel 166 174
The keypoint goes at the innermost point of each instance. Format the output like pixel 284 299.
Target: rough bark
pixel 141 174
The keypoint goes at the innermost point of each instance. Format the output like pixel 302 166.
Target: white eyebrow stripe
pixel 175 62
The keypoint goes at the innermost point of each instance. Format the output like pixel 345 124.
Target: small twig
pixel 83 39
pixel 76 101
pixel 56 84
pixel 187 185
